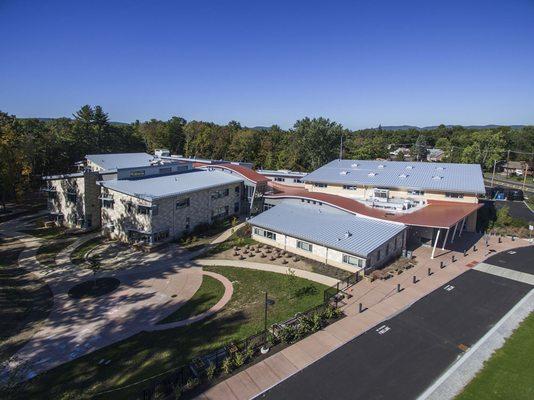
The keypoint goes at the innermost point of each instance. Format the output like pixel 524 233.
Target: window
pixel 351 260
pixel 381 193
pixel 278 179
pixel 147 210
pixel 454 195
pixel 217 194
pixel 219 212
pixel 72 197
pixel 416 192
pixel 296 180
pixel 350 187
pixel 137 173
pixel 304 246
pixel 236 207
pixel 182 203
pixel 52 195
pixel 166 170
pixel 320 185
pixel 237 190
pixel 107 203
pixel 264 233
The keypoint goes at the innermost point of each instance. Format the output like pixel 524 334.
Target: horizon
pixel 361 65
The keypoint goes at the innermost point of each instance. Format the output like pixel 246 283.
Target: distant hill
pixel 429 128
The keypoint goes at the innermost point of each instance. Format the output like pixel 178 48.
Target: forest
pixel 32 148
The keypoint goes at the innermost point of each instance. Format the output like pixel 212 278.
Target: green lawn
pixel 209 293
pixel 78 255
pixel 509 373
pixel 46 254
pixel 147 354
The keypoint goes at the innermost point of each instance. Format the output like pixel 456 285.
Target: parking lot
pixel 521 259
pixel 400 358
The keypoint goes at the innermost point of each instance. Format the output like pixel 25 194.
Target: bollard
pixel 361 308
pixel 453 258
pixel 500 239
pixel 465 253
pixel 429 271
pixel 441 265
pixel 414 279
pixel 475 247
pixel 398 288
pixel 513 238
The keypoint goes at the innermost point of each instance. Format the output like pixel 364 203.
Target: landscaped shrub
pixel 159 392
pixel 210 371
pixel 227 365
pixel 191 383
pixel 177 391
pixel 317 321
pixel 287 334
pixel 249 353
pixel 239 359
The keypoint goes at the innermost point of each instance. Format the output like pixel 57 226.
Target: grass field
pixel 209 293
pixel 149 353
pixel 509 373
pixel 78 255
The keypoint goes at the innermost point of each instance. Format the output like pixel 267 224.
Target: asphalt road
pixel 521 259
pixel 400 358
pixel 518 209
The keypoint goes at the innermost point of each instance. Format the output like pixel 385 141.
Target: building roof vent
pixel 347 235
pixel 409 167
pixel 439 168
pixel 372 174
pixel 344 173
pixel 381 166
pixel 354 165
pixel 403 176
pixel 437 177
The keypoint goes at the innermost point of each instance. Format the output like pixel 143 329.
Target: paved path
pixel 76 327
pixel 506 273
pixel 228 292
pixel 312 276
pixel 381 301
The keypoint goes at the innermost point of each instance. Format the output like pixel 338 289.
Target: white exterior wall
pixel 331 256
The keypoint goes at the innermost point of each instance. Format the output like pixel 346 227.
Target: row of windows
pixel 350 187
pixel 280 179
pixel 217 194
pixel 311 201
pixel 264 233
pixel 381 194
pixel 455 195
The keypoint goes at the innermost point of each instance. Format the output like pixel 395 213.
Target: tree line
pixel 32 148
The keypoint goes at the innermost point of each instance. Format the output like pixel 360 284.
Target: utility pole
pixel 507 162
pixel 525 176
pixel 265 314
pixel 493 176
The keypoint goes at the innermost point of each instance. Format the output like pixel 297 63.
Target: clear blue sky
pixel 361 63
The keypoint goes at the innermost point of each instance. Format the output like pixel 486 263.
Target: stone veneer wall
pixel 168 217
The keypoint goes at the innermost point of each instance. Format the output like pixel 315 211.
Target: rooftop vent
pixel 344 173
pixel 409 167
pixel 347 235
pixel 354 165
pixel 437 177
pixel 439 168
pixel 371 174
pixel 402 176
pixel 381 166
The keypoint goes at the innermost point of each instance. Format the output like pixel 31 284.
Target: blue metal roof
pixel 443 177
pixel 114 161
pixel 326 226
pixel 170 185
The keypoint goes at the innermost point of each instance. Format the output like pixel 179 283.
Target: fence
pixel 332 292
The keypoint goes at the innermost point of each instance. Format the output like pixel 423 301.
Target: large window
pixel 279 179
pixel 350 187
pixel 454 195
pixel 381 193
pixel 72 197
pixel 137 174
pixel 351 260
pixel 264 233
pixel 320 185
pixel 217 194
pixel 107 203
pixel 416 192
pixel 304 246
pixel 182 203
pixel 147 210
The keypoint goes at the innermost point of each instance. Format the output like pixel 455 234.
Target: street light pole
pixel 265 314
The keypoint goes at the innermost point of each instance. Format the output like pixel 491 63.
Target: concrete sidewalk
pixel 381 301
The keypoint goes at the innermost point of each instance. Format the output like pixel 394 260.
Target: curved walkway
pixel 228 292
pixel 311 276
